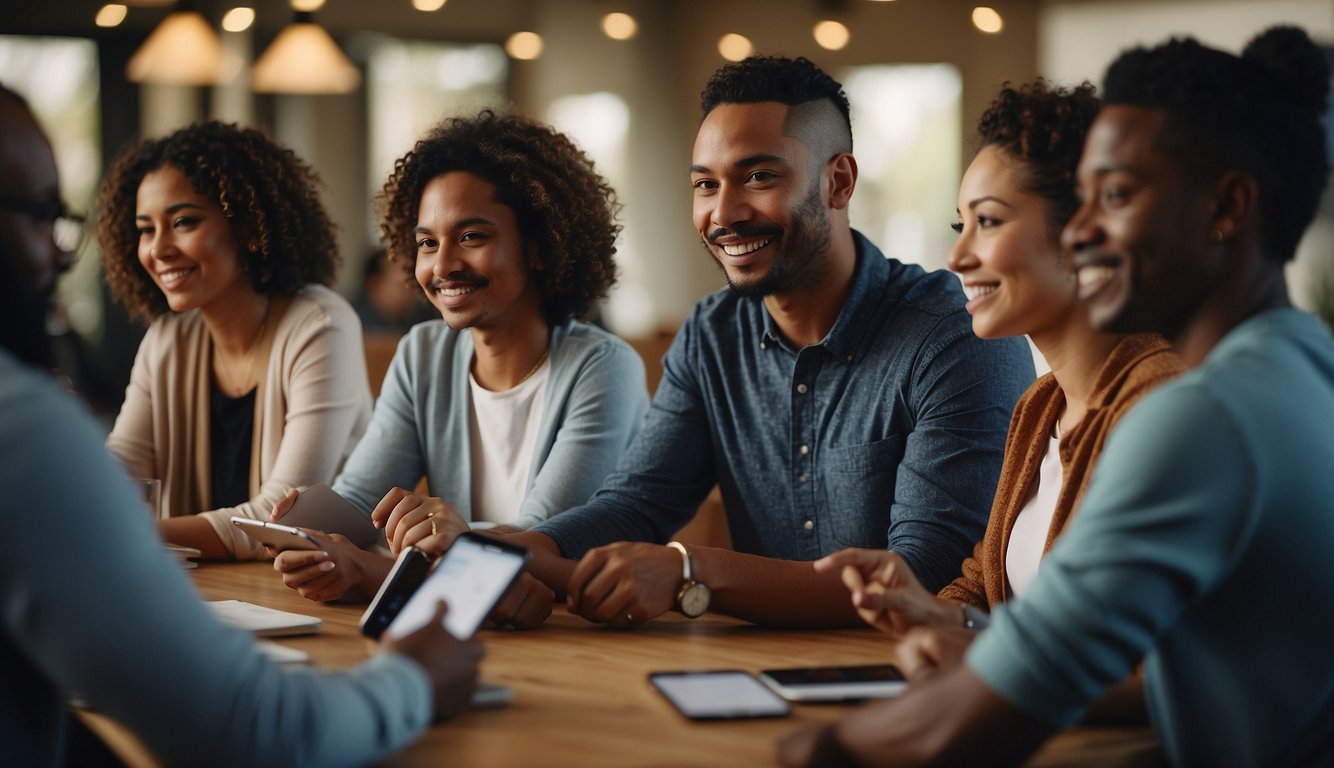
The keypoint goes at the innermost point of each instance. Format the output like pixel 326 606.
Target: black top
pixel 232 426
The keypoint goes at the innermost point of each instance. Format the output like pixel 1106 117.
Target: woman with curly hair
pixel 1014 200
pixel 513 408
pixel 251 379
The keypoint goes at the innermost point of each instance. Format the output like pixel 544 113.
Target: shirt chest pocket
pixel 858 488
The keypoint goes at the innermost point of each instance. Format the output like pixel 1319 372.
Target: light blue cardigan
pixel 595 402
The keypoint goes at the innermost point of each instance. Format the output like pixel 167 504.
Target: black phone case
pixel 408 574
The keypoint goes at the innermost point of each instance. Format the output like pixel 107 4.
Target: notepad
pixel 262 621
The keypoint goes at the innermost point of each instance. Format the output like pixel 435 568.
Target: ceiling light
pixel 619 26
pixel 183 50
pixel 987 20
pixel 734 47
pixel 524 45
pixel 110 15
pixel 428 5
pixel 238 19
pixel 303 58
pixel 831 35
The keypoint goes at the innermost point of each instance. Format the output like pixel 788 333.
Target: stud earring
pixel 1215 236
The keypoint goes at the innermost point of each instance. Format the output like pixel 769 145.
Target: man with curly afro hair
pixel 513 409
pixel 837 397
pixel 1201 551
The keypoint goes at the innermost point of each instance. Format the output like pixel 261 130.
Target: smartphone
pixel 409 571
pixel 471 577
pixel 871 681
pixel 318 507
pixel 723 694
pixel 276 535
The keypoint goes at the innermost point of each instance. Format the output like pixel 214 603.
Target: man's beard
pixel 799 262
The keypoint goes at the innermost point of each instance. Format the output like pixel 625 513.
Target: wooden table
pixel 582 696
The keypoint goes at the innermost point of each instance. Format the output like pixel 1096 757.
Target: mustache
pixel 438 284
pixel 742 230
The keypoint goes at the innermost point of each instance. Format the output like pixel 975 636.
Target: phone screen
pixel 471 577
pixel 718 694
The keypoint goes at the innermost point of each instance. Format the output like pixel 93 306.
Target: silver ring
pixel 629 619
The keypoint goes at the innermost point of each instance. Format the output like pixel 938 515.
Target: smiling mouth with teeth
pixel 973 291
pixel 1094 274
pixel 741 249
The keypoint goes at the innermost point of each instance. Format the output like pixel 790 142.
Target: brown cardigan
pixel 1135 366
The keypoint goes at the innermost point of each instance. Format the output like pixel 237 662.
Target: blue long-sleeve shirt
pixel 92 604
pixel 1203 541
pixel 889 432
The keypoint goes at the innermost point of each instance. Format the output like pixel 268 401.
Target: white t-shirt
pixel 1029 535
pixel 503 432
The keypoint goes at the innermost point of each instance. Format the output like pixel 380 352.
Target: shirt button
pixel 805 449
pixel 763 346
pixel 809 524
pixel 802 477
pixel 801 388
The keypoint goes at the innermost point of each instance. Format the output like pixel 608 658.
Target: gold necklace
pixel 533 370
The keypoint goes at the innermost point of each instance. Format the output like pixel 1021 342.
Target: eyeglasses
pixel 68 230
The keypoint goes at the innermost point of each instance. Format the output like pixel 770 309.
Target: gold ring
pixel 434 532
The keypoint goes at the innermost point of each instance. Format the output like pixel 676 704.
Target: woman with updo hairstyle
pixel 1014 201
pixel 251 379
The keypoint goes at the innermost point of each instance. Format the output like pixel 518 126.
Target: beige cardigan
pixel 312 405
pixel 1135 366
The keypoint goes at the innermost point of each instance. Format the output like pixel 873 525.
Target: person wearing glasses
pixel 251 379
pixel 128 633
pixel 25 333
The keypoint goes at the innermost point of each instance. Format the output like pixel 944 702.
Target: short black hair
pixel 1260 113
pixel 774 78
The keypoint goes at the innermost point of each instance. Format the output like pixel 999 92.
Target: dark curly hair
pixel 775 78
pixel 1259 113
pixel 1043 126
pixel 268 195
pixel 559 200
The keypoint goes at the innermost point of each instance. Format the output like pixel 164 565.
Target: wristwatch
pixel 693 599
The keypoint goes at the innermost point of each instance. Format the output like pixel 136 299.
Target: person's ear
pixel 1236 201
pixel 534 259
pixel 841 180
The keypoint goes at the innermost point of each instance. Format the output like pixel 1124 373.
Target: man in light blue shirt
pixel 92 605
pixel 1203 542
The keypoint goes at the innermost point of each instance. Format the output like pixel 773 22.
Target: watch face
pixel 694 599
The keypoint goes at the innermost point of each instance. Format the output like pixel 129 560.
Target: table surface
pixel 581 691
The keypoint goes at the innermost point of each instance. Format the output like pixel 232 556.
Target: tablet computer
pixel 470 577
pixel 852 683
pixel 719 694
pixel 319 508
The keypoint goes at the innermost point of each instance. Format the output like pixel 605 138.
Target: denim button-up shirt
pixel 887 433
